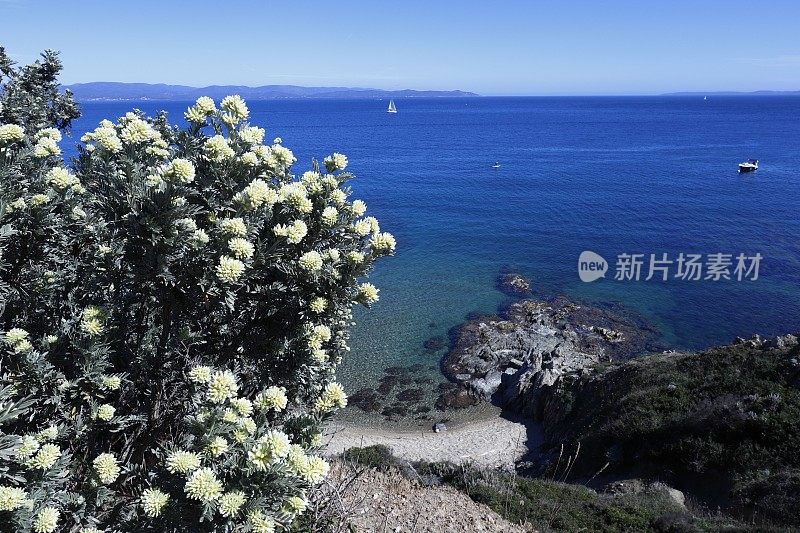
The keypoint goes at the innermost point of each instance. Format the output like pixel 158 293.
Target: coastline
pixel 498 441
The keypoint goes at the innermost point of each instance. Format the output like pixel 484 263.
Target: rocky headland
pixel 513 358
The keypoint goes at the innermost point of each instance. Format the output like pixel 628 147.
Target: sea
pixel 477 186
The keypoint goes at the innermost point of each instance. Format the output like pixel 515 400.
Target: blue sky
pixel 490 47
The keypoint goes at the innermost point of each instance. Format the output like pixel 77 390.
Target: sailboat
pixel 392 108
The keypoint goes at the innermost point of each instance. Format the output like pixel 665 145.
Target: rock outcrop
pixel 512 358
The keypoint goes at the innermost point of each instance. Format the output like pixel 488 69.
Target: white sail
pixel 392 108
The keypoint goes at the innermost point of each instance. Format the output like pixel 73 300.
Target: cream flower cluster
pixel 153 502
pixel 310 261
pixel 336 161
pixel 106 467
pixel 241 248
pixel 181 462
pixel 235 110
pixel 257 194
pixel 229 269
pixel 367 293
pixel 318 304
pixel 332 397
pixel 179 170
pixel 17 339
pixel 222 386
pixel 230 503
pixel 272 398
pixel 252 135
pixel 105 136
pixel 203 485
pixel 11 498
pixel 203 108
pixel 382 243
pixel 46 147
pixel 330 215
pixel 92 321
pixel 11 133
pixel 46 520
pixel 135 130
pixel 294 233
pixel 269 449
pixel 105 412
pixel 217 149
pixel 62 179
pixel 235 227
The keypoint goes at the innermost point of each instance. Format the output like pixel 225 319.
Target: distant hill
pixel 735 93
pixel 146 91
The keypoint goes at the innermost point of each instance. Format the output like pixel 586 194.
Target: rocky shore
pixel 513 358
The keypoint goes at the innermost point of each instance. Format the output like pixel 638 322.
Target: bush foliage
pixel 174 305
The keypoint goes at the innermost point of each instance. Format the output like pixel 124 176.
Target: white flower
pixel 235 106
pixel 27 447
pixel 45 458
pixel 11 498
pixel 222 386
pixel 15 335
pixel 200 374
pixel 137 131
pixel 358 208
pixel 206 105
pixel 310 261
pixel 318 304
pixel 313 469
pixel 180 171
pixel 229 269
pixel 330 215
pixel 46 520
pixel 234 227
pixel 46 147
pixel 251 135
pixel 61 178
pixel 217 446
pixel 260 523
pixel 241 248
pixel 243 406
pixel 272 398
pixel 269 449
pixel 203 485
pixel 106 467
pixel 250 159
pixel 230 503
pixel 217 149
pixel 332 397
pixel 106 412
pixel 200 237
pixel 106 137
pixel 294 233
pixel 367 293
pixel 195 115
pixel 47 434
pixel 11 133
pixel 338 197
pixel 282 156
pixel 181 462
pixel 49 133
pixel 153 501
pixel 295 505
pixel 39 199
pixel 336 161
pixel 110 382
pixel 382 243
pixel 258 193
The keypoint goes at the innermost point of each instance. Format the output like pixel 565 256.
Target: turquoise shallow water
pixel 612 175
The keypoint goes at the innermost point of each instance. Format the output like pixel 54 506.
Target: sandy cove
pixel 494 442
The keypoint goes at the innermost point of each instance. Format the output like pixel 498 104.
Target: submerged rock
pixel 514 285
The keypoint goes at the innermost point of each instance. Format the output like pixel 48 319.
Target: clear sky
pixel 490 47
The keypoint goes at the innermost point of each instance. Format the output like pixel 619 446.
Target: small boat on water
pixel 496 165
pixel 750 165
pixel 392 108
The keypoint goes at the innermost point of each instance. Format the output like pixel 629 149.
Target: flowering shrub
pixel 173 310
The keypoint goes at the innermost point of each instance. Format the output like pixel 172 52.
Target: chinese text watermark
pixel 663 267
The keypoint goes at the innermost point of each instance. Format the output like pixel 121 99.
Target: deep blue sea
pixel 608 174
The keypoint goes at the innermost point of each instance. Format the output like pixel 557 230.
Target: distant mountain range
pixel 736 93
pixel 146 91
